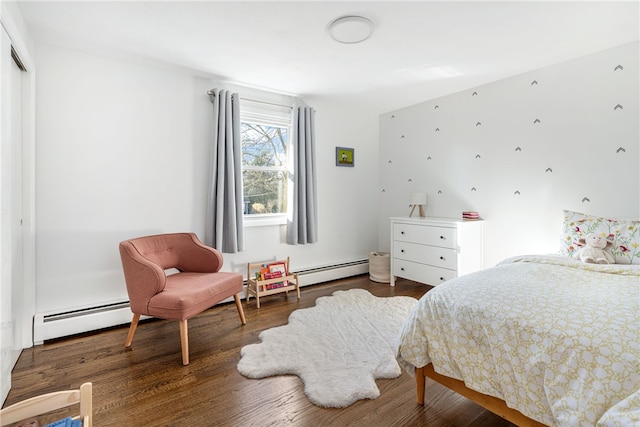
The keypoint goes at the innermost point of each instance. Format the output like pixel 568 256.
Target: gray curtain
pixel 302 224
pixel 224 229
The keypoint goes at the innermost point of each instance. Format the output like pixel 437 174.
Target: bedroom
pixel 94 195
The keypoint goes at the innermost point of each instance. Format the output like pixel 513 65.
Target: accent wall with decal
pixel 519 151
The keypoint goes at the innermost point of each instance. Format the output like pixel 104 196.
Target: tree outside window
pixel 264 168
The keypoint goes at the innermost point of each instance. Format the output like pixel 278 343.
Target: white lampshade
pixel 418 198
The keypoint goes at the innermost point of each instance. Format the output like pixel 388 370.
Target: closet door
pixel 11 190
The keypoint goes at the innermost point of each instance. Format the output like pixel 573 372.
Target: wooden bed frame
pixel 493 404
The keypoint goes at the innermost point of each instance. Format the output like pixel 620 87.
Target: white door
pixel 11 261
pixel 17 267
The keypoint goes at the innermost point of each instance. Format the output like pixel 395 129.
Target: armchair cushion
pixel 204 291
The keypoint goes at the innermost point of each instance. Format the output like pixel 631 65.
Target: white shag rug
pixel 338 348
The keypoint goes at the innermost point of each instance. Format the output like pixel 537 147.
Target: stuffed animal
pixel 593 250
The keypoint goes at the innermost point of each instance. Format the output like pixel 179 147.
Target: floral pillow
pixel 624 233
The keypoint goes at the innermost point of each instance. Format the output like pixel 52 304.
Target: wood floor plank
pixel 149 382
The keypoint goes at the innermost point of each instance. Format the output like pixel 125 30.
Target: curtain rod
pixel 210 92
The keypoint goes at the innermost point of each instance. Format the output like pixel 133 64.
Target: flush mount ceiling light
pixel 350 29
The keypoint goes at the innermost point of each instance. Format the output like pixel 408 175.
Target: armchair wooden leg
pixel 240 310
pixel 184 341
pixel 132 330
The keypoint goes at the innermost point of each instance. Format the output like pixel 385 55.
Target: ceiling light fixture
pixel 350 29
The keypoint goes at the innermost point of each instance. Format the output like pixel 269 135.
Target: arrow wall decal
pixel 618 106
pixel 618 67
pixel 585 199
pixel 621 149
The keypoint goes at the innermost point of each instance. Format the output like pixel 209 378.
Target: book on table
pixel 273 275
pixel 273 271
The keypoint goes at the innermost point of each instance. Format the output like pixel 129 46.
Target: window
pixel 265 142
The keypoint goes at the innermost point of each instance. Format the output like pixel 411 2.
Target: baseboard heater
pixel 48 326
pixel 315 275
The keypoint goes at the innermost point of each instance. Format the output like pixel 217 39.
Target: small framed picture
pixel 344 156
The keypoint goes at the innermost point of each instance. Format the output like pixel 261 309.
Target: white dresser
pixel 432 250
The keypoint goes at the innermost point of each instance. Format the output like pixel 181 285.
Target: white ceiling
pixel 419 50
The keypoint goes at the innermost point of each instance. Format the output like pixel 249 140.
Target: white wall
pixel 519 151
pixel 123 151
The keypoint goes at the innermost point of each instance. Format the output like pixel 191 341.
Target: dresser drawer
pixel 426 235
pixel 421 272
pixel 432 255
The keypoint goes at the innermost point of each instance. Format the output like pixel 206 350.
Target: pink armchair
pixel 196 287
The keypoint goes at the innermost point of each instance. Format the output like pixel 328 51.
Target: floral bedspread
pixel 554 338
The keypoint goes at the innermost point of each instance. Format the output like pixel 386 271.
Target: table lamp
pixel 420 200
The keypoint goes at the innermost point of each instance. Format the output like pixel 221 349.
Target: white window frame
pixel 265 116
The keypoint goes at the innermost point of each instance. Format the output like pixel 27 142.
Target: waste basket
pixel 379 267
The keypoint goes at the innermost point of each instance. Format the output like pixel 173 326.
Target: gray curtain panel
pixel 302 224
pixel 224 229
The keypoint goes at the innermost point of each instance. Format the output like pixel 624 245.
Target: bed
pixel 539 340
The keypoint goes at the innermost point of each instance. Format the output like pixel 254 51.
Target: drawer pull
pixel 402 250
pixel 401 268
pixel 442 237
pixel 402 232
pixel 442 258
pixel 442 279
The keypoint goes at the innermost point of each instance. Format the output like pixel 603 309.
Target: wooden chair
pixel 40 405
pixel 198 285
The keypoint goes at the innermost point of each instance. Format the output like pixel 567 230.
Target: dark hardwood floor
pixel 148 386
